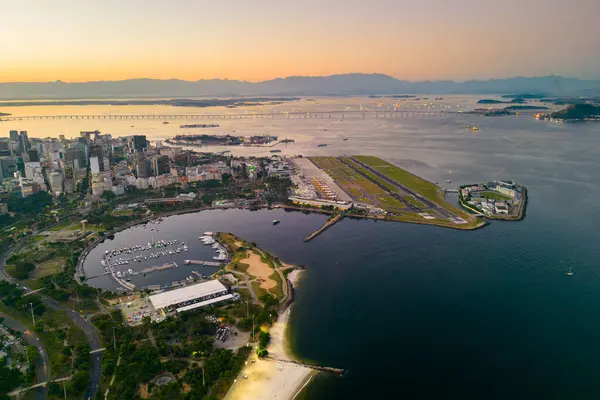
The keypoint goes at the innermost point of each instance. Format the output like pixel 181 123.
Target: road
pixel 42 364
pixel 81 322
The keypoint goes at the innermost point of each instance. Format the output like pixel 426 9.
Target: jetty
pixel 203 263
pixel 159 268
pixel 332 370
pixel 322 229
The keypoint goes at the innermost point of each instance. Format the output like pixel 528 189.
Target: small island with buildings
pixel 221 140
pixel 495 200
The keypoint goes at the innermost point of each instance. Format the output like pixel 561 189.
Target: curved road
pixel 42 364
pixel 82 323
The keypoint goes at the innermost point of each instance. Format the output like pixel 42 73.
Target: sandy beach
pixel 271 378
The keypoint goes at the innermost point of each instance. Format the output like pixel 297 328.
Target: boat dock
pixel 159 268
pixel 203 263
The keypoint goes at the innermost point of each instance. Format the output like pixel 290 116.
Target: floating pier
pixel 203 263
pixel 159 268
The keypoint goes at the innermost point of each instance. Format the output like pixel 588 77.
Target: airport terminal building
pixel 191 297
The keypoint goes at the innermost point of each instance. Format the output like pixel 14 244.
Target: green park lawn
pixel 47 268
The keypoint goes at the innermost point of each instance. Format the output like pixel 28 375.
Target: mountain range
pixel 333 85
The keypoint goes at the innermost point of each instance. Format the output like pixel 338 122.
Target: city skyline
pixel 74 42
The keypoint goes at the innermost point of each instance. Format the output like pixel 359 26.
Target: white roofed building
pixel 191 297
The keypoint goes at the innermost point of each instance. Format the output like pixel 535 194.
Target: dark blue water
pixel 424 312
pixel 254 226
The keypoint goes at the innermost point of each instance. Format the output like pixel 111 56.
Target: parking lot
pixel 309 170
pixel 134 311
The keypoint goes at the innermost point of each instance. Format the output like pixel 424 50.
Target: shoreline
pixel 272 377
pixel 80 271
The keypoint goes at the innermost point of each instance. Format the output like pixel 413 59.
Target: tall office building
pixel 137 143
pixel 160 165
pixel 56 182
pixel 5 147
pixel 14 135
pixel 33 155
pixel 76 153
pixel 142 166
pixel 94 165
pixel 24 145
pixel 8 166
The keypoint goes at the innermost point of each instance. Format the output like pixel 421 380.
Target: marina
pixel 124 256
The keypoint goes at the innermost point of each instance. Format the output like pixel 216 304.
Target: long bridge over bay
pixel 281 115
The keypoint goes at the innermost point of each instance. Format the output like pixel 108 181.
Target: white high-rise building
pixel 94 165
pixel 56 180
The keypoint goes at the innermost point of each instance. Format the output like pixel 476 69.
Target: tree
pixel 108 195
pixel 225 177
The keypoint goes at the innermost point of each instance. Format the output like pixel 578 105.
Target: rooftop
pixel 187 293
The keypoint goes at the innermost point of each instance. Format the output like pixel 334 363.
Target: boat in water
pixel 276 151
pixel 276 221
pixel 570 273
pixel 322 145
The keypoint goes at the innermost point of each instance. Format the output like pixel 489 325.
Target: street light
pixel 32 317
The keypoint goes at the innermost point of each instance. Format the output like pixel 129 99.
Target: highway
pixel 81 322
pixel 42 364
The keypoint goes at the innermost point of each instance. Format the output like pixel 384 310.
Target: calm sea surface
pixel 424 312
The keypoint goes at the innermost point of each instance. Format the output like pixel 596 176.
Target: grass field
pixel 427 189
pixel 359 188
pixel 424 187
pixel 354 181
pixel 276 291
pixel 69 226
pixel 495 196
pixel 258 290
pixel 49 267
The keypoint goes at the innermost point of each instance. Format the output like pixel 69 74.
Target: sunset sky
pixel 82 40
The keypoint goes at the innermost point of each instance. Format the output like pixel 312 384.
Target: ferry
pixel 276 151
pixel 322 145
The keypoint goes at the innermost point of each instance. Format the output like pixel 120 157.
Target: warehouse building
pixel 191 297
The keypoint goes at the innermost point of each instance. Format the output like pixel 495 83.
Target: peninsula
pixel 369 187
pixel 576 112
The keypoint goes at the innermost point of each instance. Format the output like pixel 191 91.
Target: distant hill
pixel 578 112
pixel 334 85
